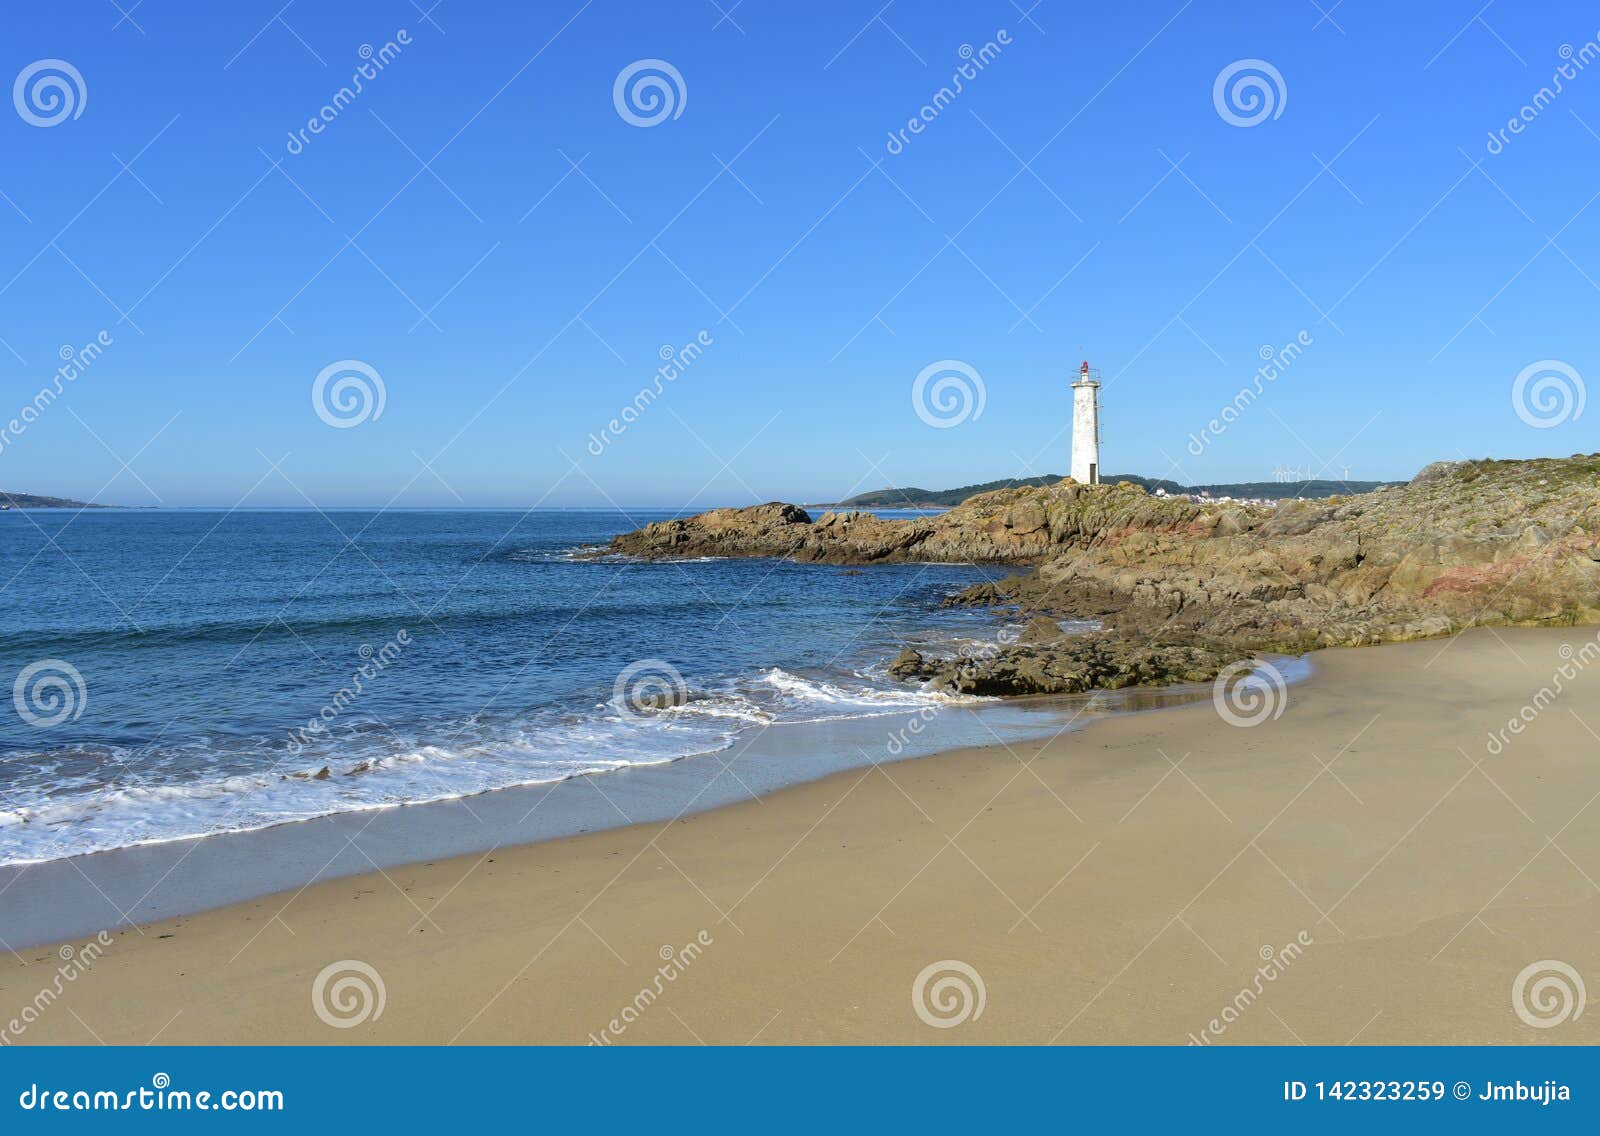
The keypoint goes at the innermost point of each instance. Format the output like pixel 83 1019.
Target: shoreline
pixel 50 901
pixel 1117 884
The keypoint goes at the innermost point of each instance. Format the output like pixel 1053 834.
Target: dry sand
pixel 1118 885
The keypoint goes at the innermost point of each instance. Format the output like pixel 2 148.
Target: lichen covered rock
pixel 1182 588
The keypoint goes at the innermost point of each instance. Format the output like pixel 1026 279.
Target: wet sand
pixel 1360 868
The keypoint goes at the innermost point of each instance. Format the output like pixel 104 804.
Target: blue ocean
pixel 176 673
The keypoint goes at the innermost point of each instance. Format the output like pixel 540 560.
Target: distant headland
pixel 35 501
pixel 911 497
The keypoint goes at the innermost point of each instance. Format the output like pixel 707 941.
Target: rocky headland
pixel 1182 589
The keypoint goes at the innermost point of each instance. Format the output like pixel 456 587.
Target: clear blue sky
pixel 825 285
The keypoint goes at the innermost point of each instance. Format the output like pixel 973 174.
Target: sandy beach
pixel 1368 865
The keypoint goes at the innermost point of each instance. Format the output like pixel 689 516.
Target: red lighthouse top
pixel 1084 370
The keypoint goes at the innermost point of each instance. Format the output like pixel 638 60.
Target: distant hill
pixel 913 498
pixel 34 501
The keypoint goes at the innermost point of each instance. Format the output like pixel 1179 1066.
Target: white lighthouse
pixel 1086 427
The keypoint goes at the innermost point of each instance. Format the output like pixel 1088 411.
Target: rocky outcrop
pixel 1066 664
pixel 1182 588
pixel 1464 544
pixel 1007 526
pixel 774 529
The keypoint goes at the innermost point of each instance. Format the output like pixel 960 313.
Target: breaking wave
pixel 93 799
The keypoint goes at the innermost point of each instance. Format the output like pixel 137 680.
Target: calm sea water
pixel 166 667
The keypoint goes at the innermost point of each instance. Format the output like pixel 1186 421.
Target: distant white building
pixel 1086 426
